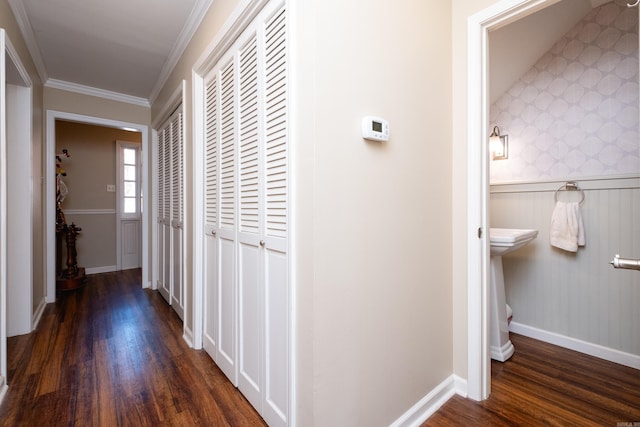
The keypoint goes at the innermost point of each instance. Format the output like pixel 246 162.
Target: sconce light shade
pixel 498 144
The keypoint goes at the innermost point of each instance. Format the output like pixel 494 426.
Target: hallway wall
pixel 9 24
pixel 372 271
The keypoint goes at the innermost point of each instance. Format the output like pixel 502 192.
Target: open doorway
pixel 565 291
pixel 55 117
pixel 92 173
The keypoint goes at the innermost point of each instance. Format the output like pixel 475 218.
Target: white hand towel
pixel 567 228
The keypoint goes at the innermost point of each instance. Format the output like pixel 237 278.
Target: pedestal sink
pixel 502 241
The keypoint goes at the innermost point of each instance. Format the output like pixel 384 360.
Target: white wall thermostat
pixel 375 128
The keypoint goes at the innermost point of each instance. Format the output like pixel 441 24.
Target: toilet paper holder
pixel 625 263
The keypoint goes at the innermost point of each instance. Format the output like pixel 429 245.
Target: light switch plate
pixel 111 188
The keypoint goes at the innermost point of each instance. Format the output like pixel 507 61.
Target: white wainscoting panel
pixel 577 295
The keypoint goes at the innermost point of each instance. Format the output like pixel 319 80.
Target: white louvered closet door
pixel 211 264
pixel 162 280
pixel 246 221
pixel 170 211
pixel 177 209
pixel 164 212
pixel 276 221
pixel 250 265
pixel 220 311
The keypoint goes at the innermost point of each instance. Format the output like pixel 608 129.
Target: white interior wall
pixel 377 215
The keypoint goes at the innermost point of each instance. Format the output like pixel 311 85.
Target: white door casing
pixel 18 182
pixel 51 117
pixel 478 357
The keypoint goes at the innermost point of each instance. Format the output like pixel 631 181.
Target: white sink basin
pixel 505 240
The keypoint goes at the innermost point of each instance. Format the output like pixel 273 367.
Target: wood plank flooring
pixel 112 354
pixel 546 385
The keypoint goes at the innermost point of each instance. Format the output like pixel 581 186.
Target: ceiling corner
pixel 196 16
pixel 20 14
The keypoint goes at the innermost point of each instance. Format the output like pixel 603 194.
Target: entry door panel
pixel 130 249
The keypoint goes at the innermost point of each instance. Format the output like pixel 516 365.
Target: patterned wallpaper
pixel 575 113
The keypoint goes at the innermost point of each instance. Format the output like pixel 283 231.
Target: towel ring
pixel 570 186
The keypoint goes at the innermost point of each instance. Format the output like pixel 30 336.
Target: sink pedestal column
pixel 501 347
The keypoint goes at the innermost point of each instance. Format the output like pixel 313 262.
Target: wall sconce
pixel 498 144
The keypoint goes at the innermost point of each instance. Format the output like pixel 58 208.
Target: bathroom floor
pixel 543 384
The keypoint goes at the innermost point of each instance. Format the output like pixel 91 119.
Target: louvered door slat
pixel 211 154
pixel 227 145
pixel 248 139
pixel 176 167
pixel 166 166
pixel 276 155
pixel 161 178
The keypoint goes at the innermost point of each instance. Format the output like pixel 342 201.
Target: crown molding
pixel 20 14
pixel 193 22
pixel 100 93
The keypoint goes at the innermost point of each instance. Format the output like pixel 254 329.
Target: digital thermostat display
pixel 375 128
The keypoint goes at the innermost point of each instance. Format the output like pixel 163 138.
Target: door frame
pixel 478 26
pixel 20 78
pixel 50 191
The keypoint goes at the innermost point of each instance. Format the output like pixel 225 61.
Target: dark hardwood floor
pixel 546 385
pixel 112 354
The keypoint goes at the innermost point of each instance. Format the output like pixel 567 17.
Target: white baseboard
pixel 429 404
pixel 105 269
pixel 37 315
pixel 596 350
pixel 461 386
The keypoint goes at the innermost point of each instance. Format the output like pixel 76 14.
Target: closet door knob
pixel 262 243
pixel 213 232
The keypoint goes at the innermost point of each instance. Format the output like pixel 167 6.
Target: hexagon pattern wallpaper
pixel 574 114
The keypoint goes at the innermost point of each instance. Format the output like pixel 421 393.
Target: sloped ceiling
pixel 118 46
pixel 515 48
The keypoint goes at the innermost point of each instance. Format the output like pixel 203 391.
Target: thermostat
pixel 375 128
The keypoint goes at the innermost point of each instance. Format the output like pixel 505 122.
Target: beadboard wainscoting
pixel 568 297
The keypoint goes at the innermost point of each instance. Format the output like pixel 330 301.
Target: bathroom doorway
pixel 569 320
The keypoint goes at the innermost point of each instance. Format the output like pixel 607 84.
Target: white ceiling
pixel 125 48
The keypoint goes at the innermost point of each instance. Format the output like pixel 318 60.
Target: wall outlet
pixel 111 188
